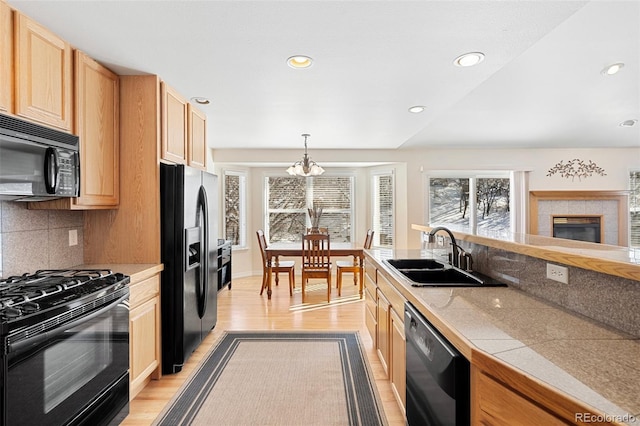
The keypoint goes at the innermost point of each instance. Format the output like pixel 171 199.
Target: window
pixel 383 218
pixel 489 212
pixel 235 215
pixel 634 209
pixel 288 198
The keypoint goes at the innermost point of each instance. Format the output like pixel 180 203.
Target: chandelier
pixel 306 167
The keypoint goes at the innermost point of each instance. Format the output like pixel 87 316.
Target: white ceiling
pixel 539 86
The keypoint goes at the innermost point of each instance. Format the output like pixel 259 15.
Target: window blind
pixel 288 198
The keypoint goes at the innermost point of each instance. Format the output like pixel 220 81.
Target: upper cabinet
pixel 174 125
pixel 197 138
pixel 183 130
pixel 6 58
pixel 97 117
pixel 43 75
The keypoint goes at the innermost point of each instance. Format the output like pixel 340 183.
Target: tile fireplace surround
pixel 611 205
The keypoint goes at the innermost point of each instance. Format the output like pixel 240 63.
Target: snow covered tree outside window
pixel 234 208
pixel 451 206
pixel 288 198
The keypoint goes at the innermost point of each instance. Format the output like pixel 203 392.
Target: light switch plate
pixel 73 237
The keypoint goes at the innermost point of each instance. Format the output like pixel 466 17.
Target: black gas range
pixel 65 347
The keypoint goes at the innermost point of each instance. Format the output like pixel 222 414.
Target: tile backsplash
pixel 38 239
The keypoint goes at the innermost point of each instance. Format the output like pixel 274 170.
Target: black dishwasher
pixel 438 378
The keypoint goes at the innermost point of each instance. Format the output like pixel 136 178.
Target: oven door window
pixel 52 380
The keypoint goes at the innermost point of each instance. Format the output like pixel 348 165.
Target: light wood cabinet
pixel 501 395
pixel 383 336
pixel 398 369
pixel 196 138
pixel 131 233
pixel 144 329
pixel 149 112
pixel 371 302
pixel 384 318
pixel 174 125
pixel 6 58
pixel 497 405
pixel 43 75
pixel 184 137
pixel 97 118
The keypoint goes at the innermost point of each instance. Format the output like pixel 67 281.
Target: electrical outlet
pixel 558 273
pixel 73 237
pixel 440 240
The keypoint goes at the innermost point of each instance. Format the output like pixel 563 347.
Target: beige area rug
pixel 276 378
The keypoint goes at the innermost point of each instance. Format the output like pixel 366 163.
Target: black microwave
pixel 37 163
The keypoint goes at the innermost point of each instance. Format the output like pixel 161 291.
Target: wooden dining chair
pixel 320 230
pixel 316 261
pixel 288 266
pixel 345 266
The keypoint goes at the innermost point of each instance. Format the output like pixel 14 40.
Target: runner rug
pixel 276 378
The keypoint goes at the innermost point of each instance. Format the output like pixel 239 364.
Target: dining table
pixel 275 251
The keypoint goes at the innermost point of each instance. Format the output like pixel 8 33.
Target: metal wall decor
pixel 576 168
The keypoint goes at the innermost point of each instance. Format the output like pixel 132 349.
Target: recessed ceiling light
pixel 613 68
pixel 628 123
pixel 299 61
pixel 469 59
pixel 417 109
pixel 200 100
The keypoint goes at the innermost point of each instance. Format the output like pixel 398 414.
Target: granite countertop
pixel 584 359
pixel 136 271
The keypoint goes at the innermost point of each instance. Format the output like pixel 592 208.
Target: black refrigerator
pixel 189 245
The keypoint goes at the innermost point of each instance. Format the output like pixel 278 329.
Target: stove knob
pixel 30 307
pixel 11 312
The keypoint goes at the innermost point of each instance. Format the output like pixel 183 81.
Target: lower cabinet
pixel 383 331
pixel 144 329
pixel 497 405
pixel 398 370
pixel 370 300
pixel 503 396
pixel 384 318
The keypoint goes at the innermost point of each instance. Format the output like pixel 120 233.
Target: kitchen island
pixel 531 360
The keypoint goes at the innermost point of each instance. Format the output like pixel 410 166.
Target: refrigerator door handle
pixel 203 284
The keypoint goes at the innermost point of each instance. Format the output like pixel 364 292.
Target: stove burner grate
pixel 19 293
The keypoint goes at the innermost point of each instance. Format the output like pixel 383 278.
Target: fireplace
pixel 581 228
pixel 612 207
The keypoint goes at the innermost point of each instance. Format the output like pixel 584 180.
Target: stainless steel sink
pixel 431 273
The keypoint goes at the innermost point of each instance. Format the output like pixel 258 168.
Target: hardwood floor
pixel 242 308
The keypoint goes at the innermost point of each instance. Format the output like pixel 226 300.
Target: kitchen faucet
pixel 459 258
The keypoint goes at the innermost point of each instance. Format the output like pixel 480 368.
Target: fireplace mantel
pixel 620 197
